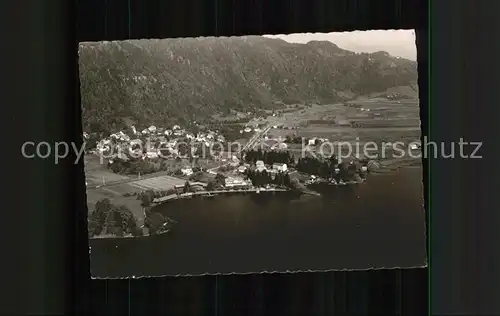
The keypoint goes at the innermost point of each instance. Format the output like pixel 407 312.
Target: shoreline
pixel 189 195
pixel 305 190
pixel 204 194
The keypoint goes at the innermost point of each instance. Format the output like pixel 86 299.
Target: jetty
pixel 213 193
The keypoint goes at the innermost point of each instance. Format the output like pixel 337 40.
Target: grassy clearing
pixel 158 183
pixel 94 195
pixel 385 122
pixel 96 173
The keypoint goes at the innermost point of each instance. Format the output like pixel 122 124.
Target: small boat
pixel 164 232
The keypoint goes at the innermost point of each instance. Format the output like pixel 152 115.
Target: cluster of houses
pixel 148 142
pixel 237 182
pixel 250 129
pixel 276 167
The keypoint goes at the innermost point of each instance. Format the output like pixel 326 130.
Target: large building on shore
pixel 280 167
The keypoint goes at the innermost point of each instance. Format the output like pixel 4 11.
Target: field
pixel 97 173
pixel 157 183
pixel 115 195
pixel 361 121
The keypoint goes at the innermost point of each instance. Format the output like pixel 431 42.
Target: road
pixel 112 183
pixel 251 142
pixel 175 196
pixel 256 137
pixel 248 145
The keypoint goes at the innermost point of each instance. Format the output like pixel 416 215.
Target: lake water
pixel 377 224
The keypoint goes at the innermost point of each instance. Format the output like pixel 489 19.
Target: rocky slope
pixel 177 80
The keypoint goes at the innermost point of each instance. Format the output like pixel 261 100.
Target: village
pixel 140 168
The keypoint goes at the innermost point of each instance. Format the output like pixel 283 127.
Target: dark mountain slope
pixel 177 80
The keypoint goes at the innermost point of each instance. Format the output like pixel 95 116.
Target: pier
pixel 211 193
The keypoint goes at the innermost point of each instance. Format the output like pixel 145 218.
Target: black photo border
pixel 51 259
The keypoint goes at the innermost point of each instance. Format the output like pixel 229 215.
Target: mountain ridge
pixel 178 80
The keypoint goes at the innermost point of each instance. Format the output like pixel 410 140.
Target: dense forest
pixel 269 157
pixel 331 169
pixel 175 81
pixel 261 179
pixel 109 219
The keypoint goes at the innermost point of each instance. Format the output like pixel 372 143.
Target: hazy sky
pixel 396 42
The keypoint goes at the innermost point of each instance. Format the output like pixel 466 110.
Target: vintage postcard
pixel 277 153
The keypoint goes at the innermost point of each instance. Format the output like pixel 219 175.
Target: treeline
pixel 261 179
pixel 156 222
pixel 147 197
pixel 292 139
pixel 230 131
pixel 330 168
pixel 269 157
pixel 111 219
pixel 135 166
pixel 217 183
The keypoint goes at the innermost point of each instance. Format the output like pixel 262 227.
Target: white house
pixel 280 167
pixel 187 171
pixel 176 127
pixel 260 166
pixel 312 141
pixel 242 169
pixel 235 182
pixel 259 163
pixel 145 131
pixel 247 130
pixel 168 132
pixel 152 154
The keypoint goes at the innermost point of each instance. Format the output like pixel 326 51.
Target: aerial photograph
pixel 274 153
